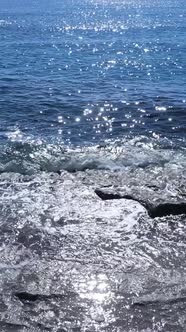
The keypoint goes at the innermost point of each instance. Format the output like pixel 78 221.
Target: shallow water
pixel 92 166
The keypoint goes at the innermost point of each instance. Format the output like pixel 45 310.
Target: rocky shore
pixel 93 251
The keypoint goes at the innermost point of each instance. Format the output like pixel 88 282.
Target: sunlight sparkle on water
pixel 95 287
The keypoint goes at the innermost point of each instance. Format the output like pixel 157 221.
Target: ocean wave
pixel 31 158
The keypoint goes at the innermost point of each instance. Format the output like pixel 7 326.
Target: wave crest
pixel 29 158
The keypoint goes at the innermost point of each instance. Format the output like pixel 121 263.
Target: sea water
pixel 92 100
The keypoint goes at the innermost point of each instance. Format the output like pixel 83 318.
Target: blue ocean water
pixel 84 73
pixel 80 72
pixel 93 165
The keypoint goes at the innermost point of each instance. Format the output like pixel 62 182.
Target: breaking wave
pixel 30 158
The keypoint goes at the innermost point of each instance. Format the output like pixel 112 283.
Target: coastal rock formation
pixel 81 252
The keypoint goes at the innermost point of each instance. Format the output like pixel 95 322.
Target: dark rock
pixel 24 296
pixel 31 297
pixel 14 327
pixel 108 196
pixel 159 302
pixel 167 209
pixel 154 209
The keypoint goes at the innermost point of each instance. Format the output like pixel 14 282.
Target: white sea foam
pixel 5 22
pixel 28 158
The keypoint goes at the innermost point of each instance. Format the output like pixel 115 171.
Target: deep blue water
pixel 79 72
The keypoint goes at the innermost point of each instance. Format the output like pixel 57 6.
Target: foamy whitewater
pixel 92 166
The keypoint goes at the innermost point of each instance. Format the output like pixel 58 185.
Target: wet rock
pixel 30 297
pixel 168 209
pixel 6 326
pixel 78 249
pixel 109 195
pixel 24 296
pixel 159 302
pixel 155 206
